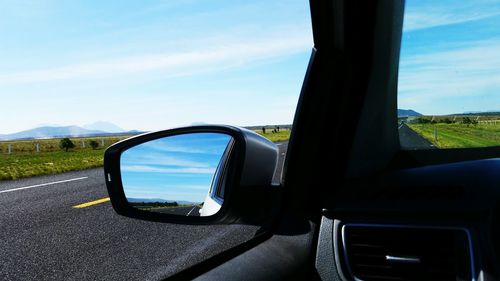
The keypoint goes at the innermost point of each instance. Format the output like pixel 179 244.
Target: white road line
pixel 400 126
pixel 190 211
pixel 43 184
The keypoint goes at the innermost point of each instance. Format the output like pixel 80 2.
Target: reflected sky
pixel 178 168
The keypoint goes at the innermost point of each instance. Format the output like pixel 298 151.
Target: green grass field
pixel 24 161
pixel 282 135
pixel 460 135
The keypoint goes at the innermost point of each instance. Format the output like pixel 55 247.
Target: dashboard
pixel 435 222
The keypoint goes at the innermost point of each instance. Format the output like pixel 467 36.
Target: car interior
pixel 352 203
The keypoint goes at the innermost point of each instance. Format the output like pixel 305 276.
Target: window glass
pixel 449 75
pixel 78 76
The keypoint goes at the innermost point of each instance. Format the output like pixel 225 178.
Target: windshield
pixel 449 75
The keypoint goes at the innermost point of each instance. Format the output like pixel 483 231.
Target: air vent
pixel 376 252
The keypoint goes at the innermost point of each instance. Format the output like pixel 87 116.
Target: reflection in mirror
pixel 179 175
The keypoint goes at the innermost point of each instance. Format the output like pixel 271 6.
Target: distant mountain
pixel 97 129
pixel 104 126
pixel 408 113
pixel 52 132
pixel 150 200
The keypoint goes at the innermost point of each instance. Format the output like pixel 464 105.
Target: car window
pixel 449 75
pixel 78 76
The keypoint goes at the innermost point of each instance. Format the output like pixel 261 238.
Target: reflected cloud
pixel 180 194
pixel 152 169
pixel 163 160
pixel 198 145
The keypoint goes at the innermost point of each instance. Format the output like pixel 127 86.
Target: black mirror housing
pixel 249 196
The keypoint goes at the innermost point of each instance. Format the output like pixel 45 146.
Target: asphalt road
pixel 43 237
pixel 192 211
pixel 409 139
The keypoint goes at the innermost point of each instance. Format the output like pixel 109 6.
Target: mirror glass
pixel 179 175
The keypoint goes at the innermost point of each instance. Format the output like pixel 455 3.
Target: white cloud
pixel 417 20
pixel 469 71
pixel 420 14
pixel 171 64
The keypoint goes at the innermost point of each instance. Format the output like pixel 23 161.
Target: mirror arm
pixel 257 205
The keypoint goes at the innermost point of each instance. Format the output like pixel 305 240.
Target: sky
pixel 151 65
pixel 450 57
pixel 178 168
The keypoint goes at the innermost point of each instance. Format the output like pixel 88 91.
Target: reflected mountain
pixel 158 200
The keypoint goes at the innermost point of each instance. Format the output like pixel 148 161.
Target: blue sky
pixel 175 168
pixel 151 65
pixel 450 59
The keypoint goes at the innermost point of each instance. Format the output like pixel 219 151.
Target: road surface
pixel 44 237
pixel 409 139
pixel 192 211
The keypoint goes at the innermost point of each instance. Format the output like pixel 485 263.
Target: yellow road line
pixel 88 204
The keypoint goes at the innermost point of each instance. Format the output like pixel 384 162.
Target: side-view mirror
pixel 193 175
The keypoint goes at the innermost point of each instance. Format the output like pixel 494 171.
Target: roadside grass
pixel 282 135
pixel 460 135
pixel 26 162
pixel 28 165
